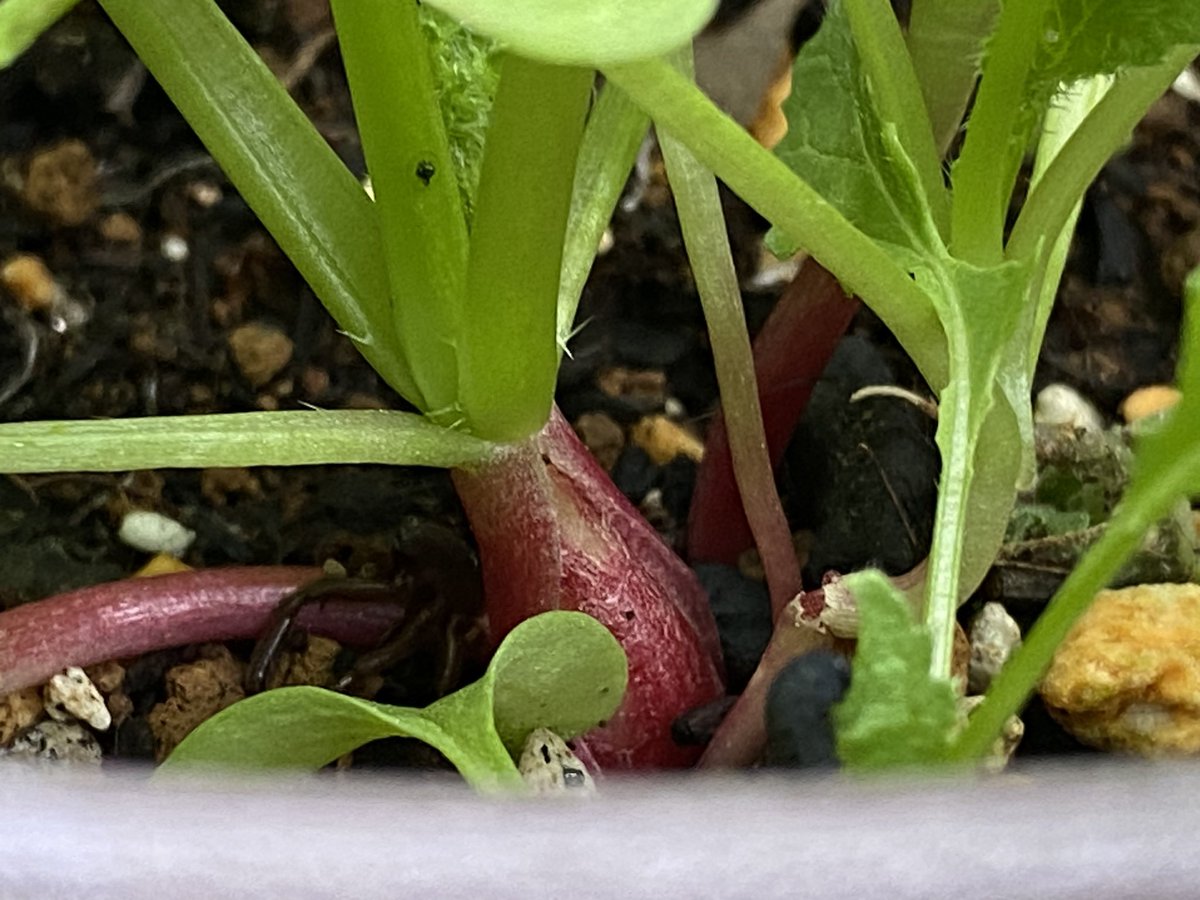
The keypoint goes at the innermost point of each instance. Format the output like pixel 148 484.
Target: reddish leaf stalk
pixel 790 352
pixel 555 533
pixel 127 618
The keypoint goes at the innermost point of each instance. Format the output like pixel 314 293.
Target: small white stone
pixel 1187 85
pixel 1062 405
pixel 153 532
pixel 71 695
pixel 606 242
pixel 994 636
pixel 174 248
pixel 50 740
pixel 549 767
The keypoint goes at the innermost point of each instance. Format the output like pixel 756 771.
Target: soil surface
pixel 149 288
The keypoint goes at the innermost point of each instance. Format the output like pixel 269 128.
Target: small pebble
pixel 174 248
pixel 549 767
pixel 742 609
pixel 260 351
pixel 1062 405
pixel 18 711
pixel 71 695
pixel 650 386
pixel 663 440
pixel 602 436
pixel 50 740
pixel 1128 676
pixel 634 474
pixel 799 729
pixel 61 183
pixel 696 727
pixel 312 665
pixel 195 691
pixel 152 532
pixel 994 637
pixel 1149 401
pixel 29 282
pixel 1004 746
pixel 204 194
pixel 120 228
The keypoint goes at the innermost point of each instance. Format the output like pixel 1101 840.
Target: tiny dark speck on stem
pixel 425 171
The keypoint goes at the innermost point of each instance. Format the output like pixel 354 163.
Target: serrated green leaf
pixel 1082 38
pixel 837 143
pixel 584 32
pixel 560 670
pixel 895 713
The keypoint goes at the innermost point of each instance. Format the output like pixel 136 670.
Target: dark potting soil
pixel 162 273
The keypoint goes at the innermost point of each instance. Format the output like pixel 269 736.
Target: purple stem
pixel 790 353
pixel 127 618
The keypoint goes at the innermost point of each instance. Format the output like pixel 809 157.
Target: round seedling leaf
pixel 583 32
pixel 560 670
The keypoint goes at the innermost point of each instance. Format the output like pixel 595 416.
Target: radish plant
pixel 461 291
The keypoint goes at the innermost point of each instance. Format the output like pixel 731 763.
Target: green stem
pixel 987 168
pixel 284 169
pixel 897 95
pixel 1144 503
pixel 509 353
pixel 945 38
pixel 768 185
pixel 703 225
pixel 1070 108
pixel 957 440
pixel 1089 148
pixel 416 192
pixel 614 133
pixel 297 438
pixel 23 21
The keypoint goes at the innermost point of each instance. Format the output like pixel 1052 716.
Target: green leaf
pixel 584 32
pixel 23 21
pixel 299 437
pixel 895 713
pixel 560 670
pixel 1082 38
pixel 837 142
pixel 465 76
